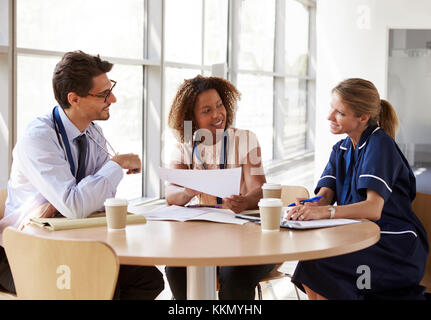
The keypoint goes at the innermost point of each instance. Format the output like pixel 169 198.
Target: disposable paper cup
pixel 270 214
pixel 271 190
pixel 116 213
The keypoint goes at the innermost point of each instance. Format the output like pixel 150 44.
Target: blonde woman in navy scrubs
pixel 369 178
pixel 208 104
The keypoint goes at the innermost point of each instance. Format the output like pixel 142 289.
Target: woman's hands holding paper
pixel 236 203
pixel 191 192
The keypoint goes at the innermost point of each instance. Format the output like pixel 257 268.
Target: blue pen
pixel 315 199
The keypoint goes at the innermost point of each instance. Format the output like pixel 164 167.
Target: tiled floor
pixel 298 171
pixel 280 289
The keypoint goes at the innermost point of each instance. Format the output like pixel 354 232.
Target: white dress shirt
pixel 40 173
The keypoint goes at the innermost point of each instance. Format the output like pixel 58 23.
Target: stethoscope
pixel 64 141
pixel 223 154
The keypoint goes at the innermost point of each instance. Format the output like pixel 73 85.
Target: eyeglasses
pixel 104 95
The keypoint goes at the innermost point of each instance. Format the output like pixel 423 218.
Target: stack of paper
pixel 178 213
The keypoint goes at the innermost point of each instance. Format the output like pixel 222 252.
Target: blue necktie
pixel 82 153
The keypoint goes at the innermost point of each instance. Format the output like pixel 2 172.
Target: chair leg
pixel 259 291
pixel 294 286
pixel 296 291
pixel 271 287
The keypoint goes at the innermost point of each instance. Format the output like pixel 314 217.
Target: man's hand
pixel 131 162
pixel 46 210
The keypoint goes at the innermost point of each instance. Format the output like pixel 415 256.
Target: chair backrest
pixel 422 207
pixel 48 269
pixel 3 196
pixel 290 193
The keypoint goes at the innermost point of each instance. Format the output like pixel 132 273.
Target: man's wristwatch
pixel 331 210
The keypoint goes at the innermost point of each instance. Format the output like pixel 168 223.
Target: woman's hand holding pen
pixel 236 203
pixel 131 162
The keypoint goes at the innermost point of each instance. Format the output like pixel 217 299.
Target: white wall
pixel 352 41
pixel 5 125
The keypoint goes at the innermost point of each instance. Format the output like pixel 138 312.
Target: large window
pixel 296 38
pixel 192 45
pixel 256 54
pixel 256 38
pixel 262 47
pixel 44 27
pixel 273 75
pixel 255 111
pixel 109 27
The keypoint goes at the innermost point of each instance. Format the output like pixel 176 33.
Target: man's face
pixel 95 106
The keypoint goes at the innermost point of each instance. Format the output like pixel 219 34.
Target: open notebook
pixel 179 213
pixel 312 224
pixel 291 224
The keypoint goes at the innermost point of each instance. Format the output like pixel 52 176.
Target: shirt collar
pixel 366 134
pixel 71 130
pixel 347 143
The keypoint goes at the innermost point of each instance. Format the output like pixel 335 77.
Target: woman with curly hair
pixel 201 116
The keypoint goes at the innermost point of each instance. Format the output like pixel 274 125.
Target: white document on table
pixel 219 183
pixel 312 224
pixel 178 213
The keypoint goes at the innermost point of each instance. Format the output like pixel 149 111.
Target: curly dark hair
pixel 184 102
pixel 74 73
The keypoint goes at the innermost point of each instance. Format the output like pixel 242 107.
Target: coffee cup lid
pixel 270 202
pixel 116 202
pixel 271 186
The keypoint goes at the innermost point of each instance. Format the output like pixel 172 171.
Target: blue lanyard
pixel 223 153
pixel 348 177
pixel 223 157
pixel 57 122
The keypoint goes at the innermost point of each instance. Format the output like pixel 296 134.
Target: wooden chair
pixel 3 196
pixel 60 269
pixel 422 207
pixel 288 195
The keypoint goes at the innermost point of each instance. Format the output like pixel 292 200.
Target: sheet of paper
pixel 219 183
pixel 167 213
pixel 311 224
pixel 220 215
pixel 178 213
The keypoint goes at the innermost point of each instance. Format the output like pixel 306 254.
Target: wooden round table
pixel 201 246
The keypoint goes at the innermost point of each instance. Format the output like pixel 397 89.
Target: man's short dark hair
pixel 74 73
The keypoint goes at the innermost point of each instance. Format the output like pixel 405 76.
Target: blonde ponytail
pixel 388 118
pixel 363 98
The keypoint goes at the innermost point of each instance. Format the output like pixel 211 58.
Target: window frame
pixel 153 65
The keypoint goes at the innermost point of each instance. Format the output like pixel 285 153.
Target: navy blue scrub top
pixel 378 164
